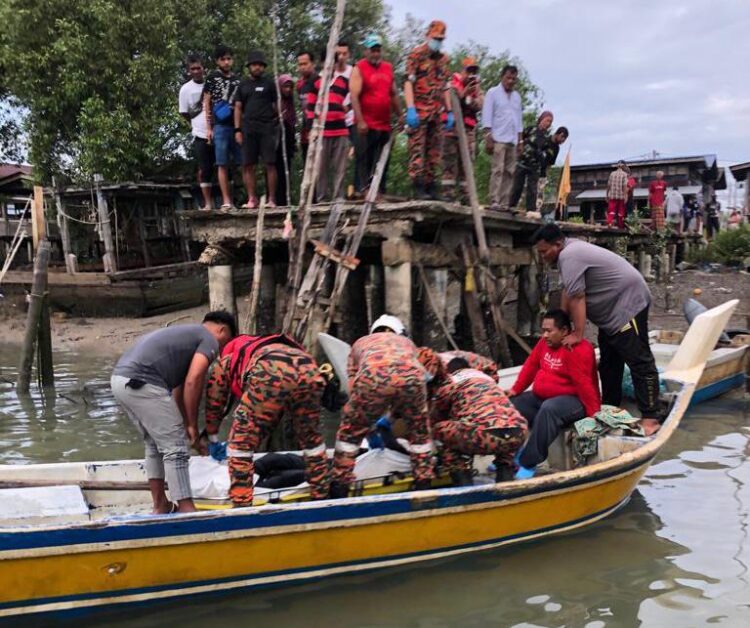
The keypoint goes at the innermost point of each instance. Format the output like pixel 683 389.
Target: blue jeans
pixel 225 147
pixel 547 418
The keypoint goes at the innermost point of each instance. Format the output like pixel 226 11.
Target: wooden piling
pixel 105 227
pixel 63 225
pixel 251 324
pixel 221 289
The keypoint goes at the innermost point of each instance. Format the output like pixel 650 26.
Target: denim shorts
pixel 225 147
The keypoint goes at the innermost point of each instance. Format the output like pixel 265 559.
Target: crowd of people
pixel 255 120
pixel 450 406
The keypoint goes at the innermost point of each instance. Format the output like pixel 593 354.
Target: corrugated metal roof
pixel 708 160
pixel 600 194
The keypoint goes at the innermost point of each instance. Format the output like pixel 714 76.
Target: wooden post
pixel 250 322
pixel 44 357
pixel 38 223
pixel 221 289
pixel 33 316
pixel 62 223
pixel 471 184
pixel 398 286
pixel 267 306
pixel 142 235
pixel 528 300
pixel 105 227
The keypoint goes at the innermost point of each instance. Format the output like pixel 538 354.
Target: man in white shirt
pixel 191 108
pixel 501 119
pixel 673 205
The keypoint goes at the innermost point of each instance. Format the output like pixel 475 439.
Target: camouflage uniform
pixel 529 166
pixel 278 378
pixel 471 415
pixel 428 74
pixel 385 376
pixel 476 361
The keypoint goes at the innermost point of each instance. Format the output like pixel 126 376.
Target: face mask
pixel 435 44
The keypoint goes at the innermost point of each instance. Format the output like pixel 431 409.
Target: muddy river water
pixel 676 555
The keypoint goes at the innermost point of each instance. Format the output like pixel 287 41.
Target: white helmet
pixel 391 322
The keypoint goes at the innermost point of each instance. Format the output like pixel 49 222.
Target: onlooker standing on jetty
pixel 289 120
pixel 256 127
pixel 617 193
pixel 656 191
pixel 713 211
pixel 305 84
pixel 191 108
pixel 375 102
pixel 536 139
pixel 673 205
pixel 606 289
pixel 466 86
pixel 425 93
pixel 335 147
pixel 501 119
pixel 630 201
pixel 159 383
pixel 218 95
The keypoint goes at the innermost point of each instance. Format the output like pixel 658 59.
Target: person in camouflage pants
pixel 385 376
pixel 471 416
pixel 278 378
pixel 425 92
pixel 536 140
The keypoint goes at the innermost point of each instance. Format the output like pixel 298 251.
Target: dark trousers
pixel 546 418
pixel 368 147
pixel 281 198
pixel 531 179
pixel 630 346
pixel 712 225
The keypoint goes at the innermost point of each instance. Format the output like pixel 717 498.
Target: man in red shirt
pixel 375 100
pixel 565 388
pixel 656 192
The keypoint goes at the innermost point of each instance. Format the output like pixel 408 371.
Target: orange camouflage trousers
pixel 425 150
pixel 376 390
pixel 454 177
pixel 282 380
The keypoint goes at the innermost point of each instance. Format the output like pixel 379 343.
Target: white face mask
pixel 435 44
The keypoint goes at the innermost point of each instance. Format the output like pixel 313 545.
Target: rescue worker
pixel 425 93
pixel 385 376
pixel 471 415
pixel 475 361
pixel 270 375
pixel 466 86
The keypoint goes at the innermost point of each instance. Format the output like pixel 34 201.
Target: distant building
pixel 696 177
pixel 740 172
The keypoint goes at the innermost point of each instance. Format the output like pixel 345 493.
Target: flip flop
pixel 252 203
pixel 225 206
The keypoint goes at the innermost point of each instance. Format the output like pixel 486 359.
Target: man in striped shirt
pixel 335 148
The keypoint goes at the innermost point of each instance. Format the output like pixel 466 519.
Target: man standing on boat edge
pixel 159 383
pixel 606 289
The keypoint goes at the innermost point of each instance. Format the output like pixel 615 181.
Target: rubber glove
pixel 375 441
pixel 525 473
pixel 218 451
pixel 412 117
pixel 450 121
pixel 383 423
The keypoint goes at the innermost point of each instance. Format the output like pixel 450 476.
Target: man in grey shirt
pixel 159 383
pixel 606 289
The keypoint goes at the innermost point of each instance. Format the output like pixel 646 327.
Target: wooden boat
pixel 725 369
pixel 86 557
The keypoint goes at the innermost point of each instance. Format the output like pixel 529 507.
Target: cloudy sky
pixel 627 77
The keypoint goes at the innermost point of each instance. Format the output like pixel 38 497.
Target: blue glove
pixel 383 423
pixel 218 451
pixel 412 117
pixel 450 121
pixel 375 441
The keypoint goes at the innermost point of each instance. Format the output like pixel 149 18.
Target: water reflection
pixel 676 555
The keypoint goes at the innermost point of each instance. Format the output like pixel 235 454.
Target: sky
pixel 626 77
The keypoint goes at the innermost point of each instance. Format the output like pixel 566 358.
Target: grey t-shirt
pixel 163 357
pixel 615 291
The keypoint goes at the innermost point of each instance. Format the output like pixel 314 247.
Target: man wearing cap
pixel 375 101
pixel 535 141
pixel 617 194
pixel 501 119
pixel 425 92
pixel 385 376
pixel 256 127
pixel 466 86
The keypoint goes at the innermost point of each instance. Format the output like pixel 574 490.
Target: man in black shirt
pixel 256 127
pixel 712 216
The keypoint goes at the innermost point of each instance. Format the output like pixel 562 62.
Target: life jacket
pixel 243 348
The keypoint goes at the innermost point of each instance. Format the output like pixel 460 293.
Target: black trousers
pixel 368 148
pixel 630 346
pixel 531 179
pixel 547 418
pixel 712 225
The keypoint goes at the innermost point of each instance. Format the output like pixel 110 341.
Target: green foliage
pixel 731 247
pixel 576 219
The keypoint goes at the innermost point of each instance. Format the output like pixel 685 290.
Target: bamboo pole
pixel 274 17
pixel 36 302
pixel 250 321
pixel 312 166
pixel 433 307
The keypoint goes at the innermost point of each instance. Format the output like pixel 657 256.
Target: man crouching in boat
pixel 471 415
pixel 159 382
pixel 565 389
pixel 270 375
pixel 385 376
pixel 474 360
